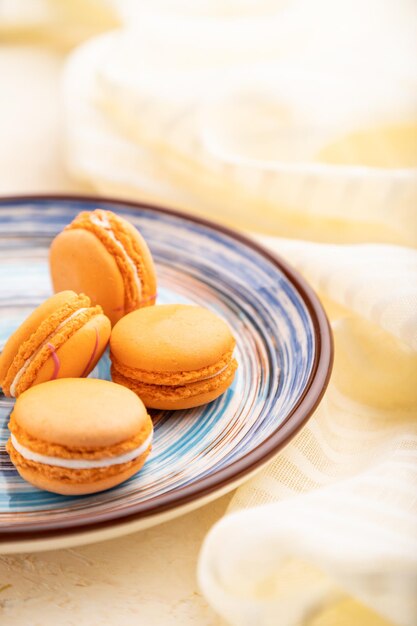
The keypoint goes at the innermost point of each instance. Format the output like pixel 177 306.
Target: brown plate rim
pixel 301 412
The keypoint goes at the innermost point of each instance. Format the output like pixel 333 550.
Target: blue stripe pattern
pixel 196 264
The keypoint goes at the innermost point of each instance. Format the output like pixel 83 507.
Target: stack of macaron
pixel 76 435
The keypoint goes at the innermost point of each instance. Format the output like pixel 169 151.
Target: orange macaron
pixel 173 356
pixel 64 337
pixel 104 256
pixel 78 435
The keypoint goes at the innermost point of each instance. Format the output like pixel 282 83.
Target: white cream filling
pixel 29 455
pixel 34 354
pixel 103 222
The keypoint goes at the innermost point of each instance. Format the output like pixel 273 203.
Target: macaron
pixel 173 356
pixel 104 256
pixel 64 337
pixel 78 435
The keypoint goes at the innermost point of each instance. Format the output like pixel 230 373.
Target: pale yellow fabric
pixel 234 111
pixel 354 529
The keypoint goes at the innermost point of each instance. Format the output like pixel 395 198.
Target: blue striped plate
pixel 284 350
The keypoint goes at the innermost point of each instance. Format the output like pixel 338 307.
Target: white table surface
pixel 141 579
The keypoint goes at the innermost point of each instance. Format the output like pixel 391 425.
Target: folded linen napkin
pixel 339 512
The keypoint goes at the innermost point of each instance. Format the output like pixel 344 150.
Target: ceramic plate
pixel 284 351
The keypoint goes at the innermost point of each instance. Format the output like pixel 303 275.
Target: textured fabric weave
pixel 340 506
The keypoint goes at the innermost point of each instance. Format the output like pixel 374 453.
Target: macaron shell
pixel 25 330
pixel 81 413
pixel 78 261
pixel 79 354
pixel 62 486
pixel 171 338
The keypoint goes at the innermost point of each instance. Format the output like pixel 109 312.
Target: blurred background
pixel 295 118
pixel 296 121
